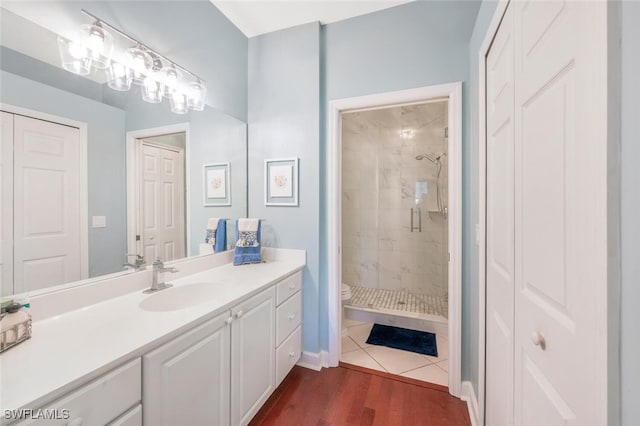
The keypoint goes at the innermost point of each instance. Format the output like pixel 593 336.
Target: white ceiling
pixel 255 17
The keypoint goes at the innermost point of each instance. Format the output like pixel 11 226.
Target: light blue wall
pixel 195 34
pixel 630 218
pixel 284 113
pixel 106 160
pixel 412 45
pixel 470 328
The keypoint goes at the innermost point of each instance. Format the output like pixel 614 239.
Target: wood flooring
pixel 350 395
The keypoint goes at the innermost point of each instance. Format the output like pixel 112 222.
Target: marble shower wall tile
pixel 380 172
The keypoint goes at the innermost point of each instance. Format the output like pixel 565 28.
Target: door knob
pixel 538 339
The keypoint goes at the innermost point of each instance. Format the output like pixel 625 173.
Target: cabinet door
pixel 253 355
pixel 186 381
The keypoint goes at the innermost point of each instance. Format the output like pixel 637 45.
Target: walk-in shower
pixel 394 214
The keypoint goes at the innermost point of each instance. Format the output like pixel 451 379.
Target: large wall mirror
pixel 138 171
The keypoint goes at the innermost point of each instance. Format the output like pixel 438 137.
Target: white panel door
pixel 186 381
pixel 162 203
pixel 252 356
pixel 560 213
pixel 500 227
pixel 6 212
pixel 46 204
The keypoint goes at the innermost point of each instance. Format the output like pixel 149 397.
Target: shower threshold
pixel 399 308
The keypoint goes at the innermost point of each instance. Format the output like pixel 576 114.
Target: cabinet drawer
pixel 288 317
pixel 100 401
pixel 288 354
pixel 288 286
pixel 132 417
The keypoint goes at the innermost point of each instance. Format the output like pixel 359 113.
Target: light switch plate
pixel 99 221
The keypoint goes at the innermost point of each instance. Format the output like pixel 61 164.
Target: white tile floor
pixel 408 364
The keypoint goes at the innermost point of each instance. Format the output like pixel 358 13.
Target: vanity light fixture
pixel 157 76
pixel 99 43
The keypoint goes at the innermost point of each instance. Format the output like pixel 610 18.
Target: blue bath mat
pixel 400 338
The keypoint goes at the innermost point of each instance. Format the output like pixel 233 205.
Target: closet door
pixel 46 204
pixel 500 227
pixel 560 213
pixel 6 211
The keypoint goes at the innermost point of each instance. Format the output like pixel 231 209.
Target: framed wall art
pixel 217 180
pixel 281 182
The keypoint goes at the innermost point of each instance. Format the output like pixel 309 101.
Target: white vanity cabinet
pixel 106 400
pixel 186 381
pixel 288 325
pixel 252 355
pixel 218 371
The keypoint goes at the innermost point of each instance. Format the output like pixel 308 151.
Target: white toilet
pixel 346 297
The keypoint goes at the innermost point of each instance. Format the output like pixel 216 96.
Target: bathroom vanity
pixel 210 350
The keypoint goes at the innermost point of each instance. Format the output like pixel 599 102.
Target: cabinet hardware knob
pixel 229 320
pixel 239 314
pixel 292 286
pixel 291 317
pixel 292 354
pixel 75 422
pixel 538 339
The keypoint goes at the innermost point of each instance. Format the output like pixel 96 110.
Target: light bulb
pixel 119 76
pixel 179 103
pixel 74 56
pixel 99 42
pixel 197 92
pixel 96 43
pixel 170 81
pixel 77 51
pixel 118 70
pixel 152 90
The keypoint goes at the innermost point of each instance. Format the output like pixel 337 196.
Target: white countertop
pixel 70 349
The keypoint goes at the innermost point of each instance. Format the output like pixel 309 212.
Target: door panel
pixel 559 265
pixel 162 203
pixel 46 169
pixel 6 212
pixel 500 228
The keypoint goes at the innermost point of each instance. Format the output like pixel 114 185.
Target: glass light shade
pixel 152 90
pixel 119 76
pixel 74 56
pixel 179 103
pixel 170 81
pixel 99 42
pixel 140 62
pixel 197 93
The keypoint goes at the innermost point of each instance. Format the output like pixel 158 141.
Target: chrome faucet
pixel 158 267
pixel 139 263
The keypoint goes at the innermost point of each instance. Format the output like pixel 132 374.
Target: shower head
pixel 434 158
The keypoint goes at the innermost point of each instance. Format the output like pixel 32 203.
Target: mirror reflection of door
pixel 42 201
pixel 161 189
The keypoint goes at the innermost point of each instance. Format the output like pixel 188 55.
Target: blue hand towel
pixel 221 236
pixel 217 234
pixel 247 242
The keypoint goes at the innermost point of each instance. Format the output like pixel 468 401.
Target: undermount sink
pixel 182 297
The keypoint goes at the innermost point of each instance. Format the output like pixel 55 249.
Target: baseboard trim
pixel 469 396
pixel 314 360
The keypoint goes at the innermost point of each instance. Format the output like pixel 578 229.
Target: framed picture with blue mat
pixel 420 342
